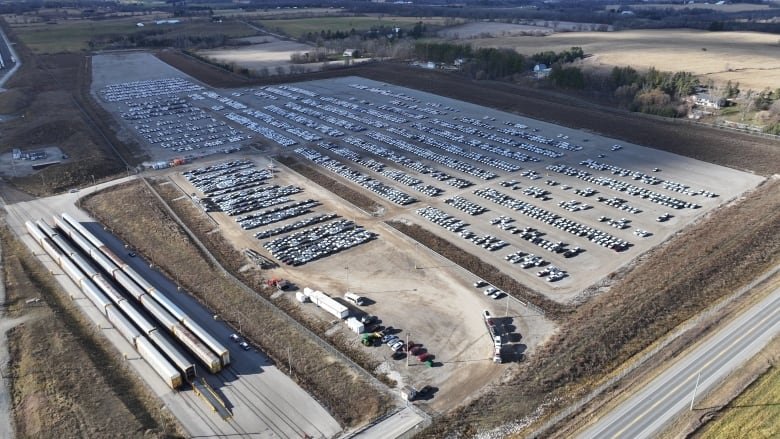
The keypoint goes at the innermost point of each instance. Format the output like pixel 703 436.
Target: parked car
pixel 244 345
pixel 235 338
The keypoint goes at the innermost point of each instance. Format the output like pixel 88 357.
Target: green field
pixel 754 414
pixel 298 27
pixel 75 35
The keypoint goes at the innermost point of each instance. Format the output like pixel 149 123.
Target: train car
pixel 109 290
pixel 136 317
pixel 184 335
pixel 34 231
pixel 81 229
pixel 211 361
pixel 128 284
pixel 167 304
pixel 87 246
pixel 122 324
pixel 162 366
pixel 166 319
pixel 195 338
pixel 216 347
pixel 178 358
pixel 92 292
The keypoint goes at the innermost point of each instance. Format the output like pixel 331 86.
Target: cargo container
pixel 211 361
pixel 328 304
pixel 164 369
pixel 355 325
pixel 122 324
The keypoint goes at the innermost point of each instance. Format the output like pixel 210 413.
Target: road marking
pixel 669 393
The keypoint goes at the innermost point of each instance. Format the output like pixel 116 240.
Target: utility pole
pixel 694 390
pixel 289 359
pixel 407 349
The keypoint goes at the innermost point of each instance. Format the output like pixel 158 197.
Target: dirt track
pixel 735 150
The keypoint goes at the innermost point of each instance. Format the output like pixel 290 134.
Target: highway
pixel 645 413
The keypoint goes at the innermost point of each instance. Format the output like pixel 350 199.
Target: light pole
pixel 407 349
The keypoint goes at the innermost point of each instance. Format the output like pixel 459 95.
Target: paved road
pixel 10 59
pixel 646 412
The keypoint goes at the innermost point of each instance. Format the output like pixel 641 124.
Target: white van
pixel 354 298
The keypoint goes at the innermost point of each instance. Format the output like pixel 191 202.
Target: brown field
pixel 749 58
pixel 65 381
pixel 739 7
pixel 49 97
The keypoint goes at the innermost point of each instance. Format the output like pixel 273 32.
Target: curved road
pixel 646 412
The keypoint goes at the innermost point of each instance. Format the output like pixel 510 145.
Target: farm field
pixel 298 27
pixel 75 35
pixel 738 7
pixel 749 58
pixel 756 410
pixel 265 52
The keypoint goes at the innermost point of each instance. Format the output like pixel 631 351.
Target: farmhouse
pixel 351 53
pixel 706 100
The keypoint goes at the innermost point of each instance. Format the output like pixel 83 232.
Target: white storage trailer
pixel 327 303
pixel 355 325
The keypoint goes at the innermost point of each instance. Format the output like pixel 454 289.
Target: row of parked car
pixel 276 214
pixel 173 123
pixel 457 150
pixel 325 117
pixel 305 222
pixel 507 141
pixel 426 153
pixel 227 182
pixel 573 227
pixel 441 218
pixel 465 205
pixel 415 165
pixel 352 155
pixel 260 199
pixel 619 203
pixel 125 91
pixel 317 242
pixel 475 142
pixel 630 189
pixel 260 129
pixel 303 120
pixel 383 190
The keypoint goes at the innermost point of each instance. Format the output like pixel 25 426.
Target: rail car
pixel 153 357
pixel 205 348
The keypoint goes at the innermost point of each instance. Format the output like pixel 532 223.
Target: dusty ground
pixel 268 53
pixel 413 290
pixel 749 58
pixel 10 168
